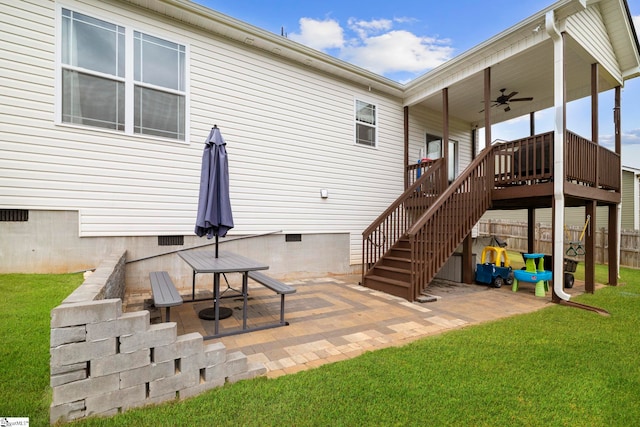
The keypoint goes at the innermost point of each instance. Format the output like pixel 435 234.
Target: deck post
pixel 594 116
pixel 467 260
pixel 614 240
pixel 590 248
pixel 406 146
pixel 531 230
pixel 615 210
pixel 445 131
pixel 532 123
pixel 487 106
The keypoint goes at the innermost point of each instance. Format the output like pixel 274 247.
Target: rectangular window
pixel 366 124
pixel 94 80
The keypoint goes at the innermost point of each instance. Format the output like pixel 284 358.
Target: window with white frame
pixel 366 124
pixel 99 91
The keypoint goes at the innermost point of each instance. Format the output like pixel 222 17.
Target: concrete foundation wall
pixel 49 243
pixel 104 361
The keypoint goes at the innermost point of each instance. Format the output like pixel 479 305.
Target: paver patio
pixel 334 318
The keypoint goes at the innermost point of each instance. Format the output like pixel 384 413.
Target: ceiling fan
pixel 506 99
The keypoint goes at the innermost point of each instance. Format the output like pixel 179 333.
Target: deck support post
pixel 467 260
pixel 590 248
pixel 615 211
pixel 406 146
pixel 614 244
pixel 532 123
pixel 445 132
pixel 487 106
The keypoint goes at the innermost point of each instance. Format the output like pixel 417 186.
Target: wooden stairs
pixel 392 273
pixel 428 233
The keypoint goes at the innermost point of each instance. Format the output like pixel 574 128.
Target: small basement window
pixel 293 237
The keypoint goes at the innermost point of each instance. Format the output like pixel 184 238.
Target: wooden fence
pixel 515 234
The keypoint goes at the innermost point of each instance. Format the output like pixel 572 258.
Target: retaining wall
pixel 104 361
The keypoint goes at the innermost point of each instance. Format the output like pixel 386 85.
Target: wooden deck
pixel 407 245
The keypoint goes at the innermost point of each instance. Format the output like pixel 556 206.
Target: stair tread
pixel 391 268
pixel 396 258
pixel 387 280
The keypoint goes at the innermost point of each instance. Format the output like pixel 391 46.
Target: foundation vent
pixel 293 237
pixel 170 240
pixel 14 215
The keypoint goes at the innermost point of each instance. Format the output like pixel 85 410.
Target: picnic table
pixel 229 262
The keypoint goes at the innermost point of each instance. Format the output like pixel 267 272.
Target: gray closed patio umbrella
pixel 214 206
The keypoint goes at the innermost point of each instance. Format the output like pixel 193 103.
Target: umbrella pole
pixel 216 245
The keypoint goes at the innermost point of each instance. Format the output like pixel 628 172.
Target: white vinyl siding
pixel 125 185
pixel 423 121
pixel 629 200
pixel 587 27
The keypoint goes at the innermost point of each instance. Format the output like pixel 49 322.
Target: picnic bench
pixel 164 292
pixel 276 286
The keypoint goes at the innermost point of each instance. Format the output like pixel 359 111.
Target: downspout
pixel 558 155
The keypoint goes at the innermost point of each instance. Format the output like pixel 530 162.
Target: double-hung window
pixel 366 124
pixel 119 79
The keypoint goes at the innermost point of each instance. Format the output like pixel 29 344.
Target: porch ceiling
pixel 530 74
pixel 521 59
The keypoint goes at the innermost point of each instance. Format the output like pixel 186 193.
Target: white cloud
pixel 320 35
pixel 631 137
pixel 636 22
pixel 397 51
pixel 365 28
pixel 375 44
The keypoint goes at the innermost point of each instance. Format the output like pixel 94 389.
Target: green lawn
pixel 27 300
pixel 557 366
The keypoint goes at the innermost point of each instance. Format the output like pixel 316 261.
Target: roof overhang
pixel 521 59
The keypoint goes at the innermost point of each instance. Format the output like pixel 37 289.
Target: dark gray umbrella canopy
pixel 214 207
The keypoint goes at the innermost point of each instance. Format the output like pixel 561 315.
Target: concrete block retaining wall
pixel 104 361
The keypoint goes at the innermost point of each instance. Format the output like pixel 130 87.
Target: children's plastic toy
pixel 494 268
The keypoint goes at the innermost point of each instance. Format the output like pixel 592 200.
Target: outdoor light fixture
pixel 324 193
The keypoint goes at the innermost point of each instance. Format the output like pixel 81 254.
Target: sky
pixel 417 35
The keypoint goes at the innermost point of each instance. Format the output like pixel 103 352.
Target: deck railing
pixel 524 161
pixel 435 236
pixel 591 164
pixel 530 160
pixel 415 171
pixel 394 222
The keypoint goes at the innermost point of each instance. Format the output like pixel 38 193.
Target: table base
pixel 210 313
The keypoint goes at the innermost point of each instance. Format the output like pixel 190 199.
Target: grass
pixel 558 366
pixel 27 300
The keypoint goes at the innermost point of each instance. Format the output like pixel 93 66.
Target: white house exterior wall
pixel 587 27
pixel 289 133
pixel 423 121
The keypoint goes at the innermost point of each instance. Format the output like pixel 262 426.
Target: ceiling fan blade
pixel 521 99
pixel 512 94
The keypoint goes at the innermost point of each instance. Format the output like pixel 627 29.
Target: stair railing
pixel 435 236
pixel 394 222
